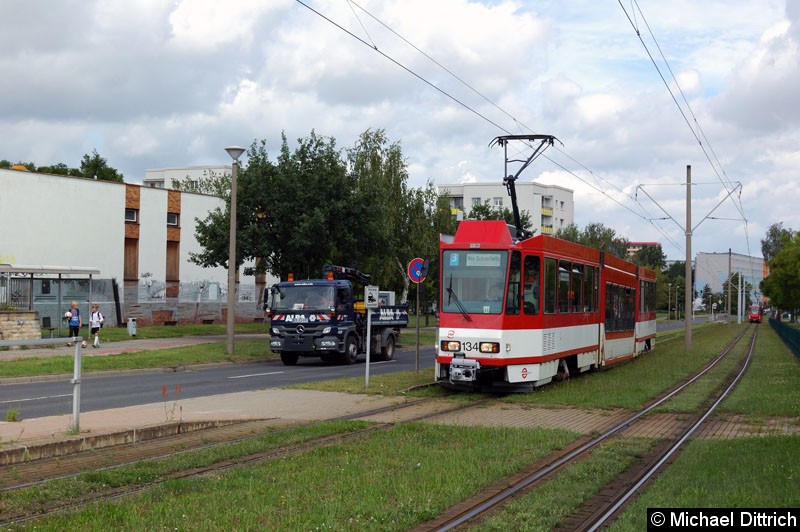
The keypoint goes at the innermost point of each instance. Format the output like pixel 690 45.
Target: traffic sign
pixel 417 270
pixel 371 296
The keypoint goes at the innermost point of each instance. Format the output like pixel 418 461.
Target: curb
pixel 77 444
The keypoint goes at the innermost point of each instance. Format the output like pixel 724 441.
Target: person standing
pixel 96 323
pixel 74 320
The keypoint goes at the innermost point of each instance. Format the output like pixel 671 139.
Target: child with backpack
pixel 96 323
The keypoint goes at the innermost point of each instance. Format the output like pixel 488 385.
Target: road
pixel 39 399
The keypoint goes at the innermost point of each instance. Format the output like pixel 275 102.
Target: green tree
pixel 782 285
pixel 485 211
pixel 597 236
pixel 213 184
pixel 651 256
pixel 94 166
pixel 774 240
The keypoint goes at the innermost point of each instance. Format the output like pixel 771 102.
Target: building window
pixel 457 203
pixel 131 216
pixel 476 202
pixel 173 219
pixel 498 201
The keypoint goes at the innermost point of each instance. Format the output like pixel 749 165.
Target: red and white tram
pixel 516 311
pixel 514 314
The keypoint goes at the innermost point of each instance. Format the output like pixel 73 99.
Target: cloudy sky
pixel 154 84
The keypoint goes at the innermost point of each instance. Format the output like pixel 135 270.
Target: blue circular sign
pixel 415 270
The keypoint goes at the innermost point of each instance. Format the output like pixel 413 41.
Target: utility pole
pixel 688 303
pixel 730 282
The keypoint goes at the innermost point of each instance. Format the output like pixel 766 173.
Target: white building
pixel 140 239
pixel 551 207
pixel 713 269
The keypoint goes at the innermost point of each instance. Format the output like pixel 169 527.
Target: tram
pixel 517 311
pixel 756 311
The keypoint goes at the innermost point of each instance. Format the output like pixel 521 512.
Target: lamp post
pixel 235 152
pixel 669 301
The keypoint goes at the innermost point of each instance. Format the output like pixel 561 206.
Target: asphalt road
pixel 99 392
pixel 40 399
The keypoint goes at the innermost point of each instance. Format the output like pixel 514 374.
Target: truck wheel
pixel 350 355
pixel 289 359
pixel 387 352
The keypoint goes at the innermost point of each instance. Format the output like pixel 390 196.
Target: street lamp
pixel 235 152
pixel 669 301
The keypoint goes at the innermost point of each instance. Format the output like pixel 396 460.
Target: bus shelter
pixel 46 289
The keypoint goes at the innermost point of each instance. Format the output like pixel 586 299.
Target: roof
pixel 48 270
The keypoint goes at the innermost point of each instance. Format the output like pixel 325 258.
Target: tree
pixel 597 236
pixel 213 184
pixel 651 256
pixel 485 211
pixel 96 167
pixel 293 215
pixel 774 240
pixel 782 285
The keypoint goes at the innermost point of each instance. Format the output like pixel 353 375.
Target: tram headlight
pixel 450 345
pixel 489 347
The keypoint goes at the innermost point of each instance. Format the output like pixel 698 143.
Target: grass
pixel 246 350
pixel 389 480
pixel 742 473
pixel 547 507
pixel 631 384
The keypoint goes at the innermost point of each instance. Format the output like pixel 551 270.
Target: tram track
pixel 43 472
pixel 612 500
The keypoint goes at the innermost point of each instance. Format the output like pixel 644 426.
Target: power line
pixel 374 47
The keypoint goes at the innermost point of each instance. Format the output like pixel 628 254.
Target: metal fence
pixel 788 333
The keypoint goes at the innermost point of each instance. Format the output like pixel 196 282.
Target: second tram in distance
pixel 515 313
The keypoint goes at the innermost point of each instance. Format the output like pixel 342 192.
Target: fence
pixel 788 333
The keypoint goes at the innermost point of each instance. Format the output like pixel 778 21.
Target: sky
pixel 635 91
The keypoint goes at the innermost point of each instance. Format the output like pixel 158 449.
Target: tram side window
pixel 550 285
pixel 514 276
pixel 620 307
pixel 589 291
pixel 564 299
pixel 577 287
pixel 530 294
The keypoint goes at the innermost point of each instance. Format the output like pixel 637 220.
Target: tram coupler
pixel 464 370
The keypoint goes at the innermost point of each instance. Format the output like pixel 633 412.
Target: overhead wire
pixel 723 179
pixel 374 47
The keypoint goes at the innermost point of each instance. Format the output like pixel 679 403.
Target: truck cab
pixel 326 318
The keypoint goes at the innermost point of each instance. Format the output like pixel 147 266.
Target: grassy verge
pixel 631 384
pixel 246 350
pixel 390 480
pixel 747 472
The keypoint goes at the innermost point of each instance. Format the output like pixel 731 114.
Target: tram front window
pixel 474 281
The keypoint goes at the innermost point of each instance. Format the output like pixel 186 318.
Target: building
pixel 550 207
pixel 139 238
pixel 713 269
pixel 163 177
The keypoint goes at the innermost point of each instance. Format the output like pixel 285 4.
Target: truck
pixel 327 318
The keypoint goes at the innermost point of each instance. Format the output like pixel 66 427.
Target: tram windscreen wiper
pixel 454 297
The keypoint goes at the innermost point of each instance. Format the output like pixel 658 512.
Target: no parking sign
pixel 417 269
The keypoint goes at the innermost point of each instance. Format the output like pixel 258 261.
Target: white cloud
pixel 153 84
